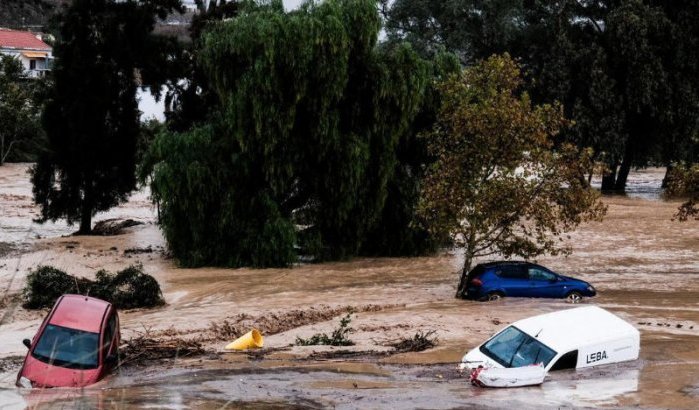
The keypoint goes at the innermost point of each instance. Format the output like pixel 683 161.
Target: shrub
pixel 127 289
pixel 46 284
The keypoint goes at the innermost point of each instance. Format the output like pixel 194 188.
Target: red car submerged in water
pixel 76 345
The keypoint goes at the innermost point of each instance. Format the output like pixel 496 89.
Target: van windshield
pixel 514 348
pixel 65 347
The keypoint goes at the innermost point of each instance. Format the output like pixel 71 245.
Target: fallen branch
pixel 421 341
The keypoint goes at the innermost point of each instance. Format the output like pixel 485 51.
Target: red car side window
pixel 109 335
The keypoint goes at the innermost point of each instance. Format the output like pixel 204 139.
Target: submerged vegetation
pixel 420 341
pixel 339 336
pixel 127 289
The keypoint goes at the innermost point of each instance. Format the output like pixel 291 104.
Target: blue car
pixel 495 280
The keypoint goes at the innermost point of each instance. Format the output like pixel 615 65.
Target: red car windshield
pixel 71 348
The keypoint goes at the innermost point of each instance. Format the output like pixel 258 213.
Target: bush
pixel 46 284
pixel 127 289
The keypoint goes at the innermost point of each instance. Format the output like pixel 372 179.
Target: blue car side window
pixel 540 274
pixel 511 272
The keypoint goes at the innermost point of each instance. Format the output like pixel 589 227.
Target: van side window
pixel 567 361
pixel 511 272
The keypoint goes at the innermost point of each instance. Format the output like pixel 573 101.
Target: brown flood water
pixel 645 266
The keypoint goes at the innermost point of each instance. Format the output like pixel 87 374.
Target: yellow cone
pixel 251 339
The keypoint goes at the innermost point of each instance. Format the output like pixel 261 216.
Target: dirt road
pixel 645 266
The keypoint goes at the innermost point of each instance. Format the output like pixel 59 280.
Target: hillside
pixel 36 15
pixel 33 14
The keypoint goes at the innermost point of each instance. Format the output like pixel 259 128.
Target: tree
pixel 190 99
pixel 625 72
pixel 472 29
pixel 20 129
pixel 310 112
pixel 497 185
pixel 398 233
pixel 105 50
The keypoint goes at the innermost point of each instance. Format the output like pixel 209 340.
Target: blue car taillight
pixel 476 282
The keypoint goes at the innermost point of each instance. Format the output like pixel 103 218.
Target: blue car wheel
pixel 574 297
pixel 493 296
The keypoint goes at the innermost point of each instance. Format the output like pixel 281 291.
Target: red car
pixel 76 345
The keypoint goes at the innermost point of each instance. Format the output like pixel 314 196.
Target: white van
pixel 567 339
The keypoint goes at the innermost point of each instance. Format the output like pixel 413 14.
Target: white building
pixel 35 55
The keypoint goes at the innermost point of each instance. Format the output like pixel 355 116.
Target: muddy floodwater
pixel 644 265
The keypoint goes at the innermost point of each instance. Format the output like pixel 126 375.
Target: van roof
pixel 569 329
pixel 80 312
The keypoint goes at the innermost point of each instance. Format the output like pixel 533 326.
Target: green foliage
pixel 308 118
pixel 91 117
pixel 497 185
pixel 398 233
pixel 683 181
pixel 339 336
pixel 127 289
pixel 45 284
pixel 192 101
pixel 21 135
pixel 627 73
pixel 471 28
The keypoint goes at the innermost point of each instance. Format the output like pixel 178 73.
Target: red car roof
pixel 80 312
pixel 21 40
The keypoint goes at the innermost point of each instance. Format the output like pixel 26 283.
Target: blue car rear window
pixel 65 347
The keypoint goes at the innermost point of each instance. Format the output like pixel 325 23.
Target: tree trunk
pixel 86 214
pixel 668 171
pixel 609 178
pixel 85 221
pixel 461 289
pixel 624 169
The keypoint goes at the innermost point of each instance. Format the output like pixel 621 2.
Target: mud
pixel 645 266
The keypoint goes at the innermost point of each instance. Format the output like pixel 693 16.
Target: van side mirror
pixel 27 343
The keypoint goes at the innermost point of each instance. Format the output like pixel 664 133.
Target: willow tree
pixel 310 114
pixel 105 48
pixel 497 186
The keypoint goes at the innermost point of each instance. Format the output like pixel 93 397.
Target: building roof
pixel 23 40
pixel 569 329
pixel 80 312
